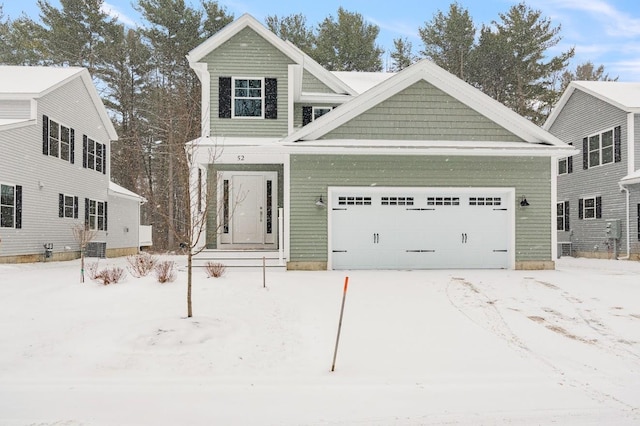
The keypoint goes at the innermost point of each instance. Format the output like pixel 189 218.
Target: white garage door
pixel 420 228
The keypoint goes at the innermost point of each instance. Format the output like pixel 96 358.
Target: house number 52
pixel 240 157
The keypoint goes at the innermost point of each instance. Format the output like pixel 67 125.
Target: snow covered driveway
pixel 417 347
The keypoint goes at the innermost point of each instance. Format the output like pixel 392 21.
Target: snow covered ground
pixel 462 347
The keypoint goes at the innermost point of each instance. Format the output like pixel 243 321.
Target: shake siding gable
pixel 237 58
pixel 422 112
pixel 312 174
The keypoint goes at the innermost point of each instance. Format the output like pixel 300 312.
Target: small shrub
pixel 142 264
pixel 92 270
pixel 111 275
pixel 215 269
pixel 165 271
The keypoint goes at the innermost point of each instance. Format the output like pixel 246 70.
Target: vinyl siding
pixel 584 115
pixel 422 112
pixel 311 84
pixel 15 109
pixel 241 57
pixel 44 177
pixel 312 174
pixel 636 130
pixel 123 218
pixel 297 114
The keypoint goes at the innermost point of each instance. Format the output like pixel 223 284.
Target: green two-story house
pixel 346 170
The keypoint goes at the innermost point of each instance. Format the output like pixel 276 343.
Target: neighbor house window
pixel 96 214
pixel 10 206
pixel 590 208
pixel 602 148
pixel 562 216
pixel 67 206
pixel 94 155
pixel 57 140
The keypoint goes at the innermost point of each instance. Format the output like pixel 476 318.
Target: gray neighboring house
pixel 55 138
pixel 322 170
pixel 598 198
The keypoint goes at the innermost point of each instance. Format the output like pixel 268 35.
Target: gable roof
pixel 441 79
pixel 623 95
pixel 33 82
pixel 287 48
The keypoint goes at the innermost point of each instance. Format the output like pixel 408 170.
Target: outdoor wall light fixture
pixel 524 202
pixel 320 203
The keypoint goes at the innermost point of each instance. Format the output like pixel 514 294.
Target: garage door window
pixel 485 201
pixel 354 201
pixel 397 201
pixel 443 201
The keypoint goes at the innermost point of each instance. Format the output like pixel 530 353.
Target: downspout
pixel 628 230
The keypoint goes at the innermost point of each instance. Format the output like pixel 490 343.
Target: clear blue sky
pixel 604 32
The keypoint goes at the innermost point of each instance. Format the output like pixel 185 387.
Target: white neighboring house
pixel 55 137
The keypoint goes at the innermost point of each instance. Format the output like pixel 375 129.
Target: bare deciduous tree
pixel 83 236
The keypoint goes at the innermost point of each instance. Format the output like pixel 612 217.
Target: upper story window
pixel 94 155
pixel 565 165
pixel 601 148
pixel 248 97
pixel 312 113
pixel 10 206
pixel 57 140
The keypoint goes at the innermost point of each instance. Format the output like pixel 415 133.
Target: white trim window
pixel 248 97
pixel 590 208
pixel 94 155
pixel 58 140
pixel 67 206
pixel 96 214
pixel 562 216
pixel 602 148
pixel 320 111
pixel 10 206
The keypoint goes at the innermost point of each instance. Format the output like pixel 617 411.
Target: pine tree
pixel 449 40
pixel 293 28
pixel 348 43
pixel 402 56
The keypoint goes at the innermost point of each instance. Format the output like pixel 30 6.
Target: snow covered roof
pixel 631 179
pixel 362 81
pixel 623 95
pixel 121 191
pixel 25 82
pixel 33 81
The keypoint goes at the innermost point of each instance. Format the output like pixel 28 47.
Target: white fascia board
pixel 335 98
pixel 202 71
pixel 6 124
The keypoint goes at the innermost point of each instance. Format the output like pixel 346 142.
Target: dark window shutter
pixel 617 144
pixel 638 222
pixel 45 135
pixel 72 154
pixel 86 213
pixel 585 153
pixel 270 98
pixel 60 205
pixel 75 207
pixel 18 221
pixel 104 159
pixel 581 208
pixel 569 164
pixel 598 207
pixel 105 216
pixel 224 97
pixel 567 227
pixel 85 149
pixel 307 115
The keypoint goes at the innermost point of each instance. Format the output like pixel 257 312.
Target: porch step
pixel 240 258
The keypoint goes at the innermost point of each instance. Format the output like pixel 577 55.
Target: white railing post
pixel 280 237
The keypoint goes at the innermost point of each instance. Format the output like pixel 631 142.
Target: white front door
pixel 247 204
